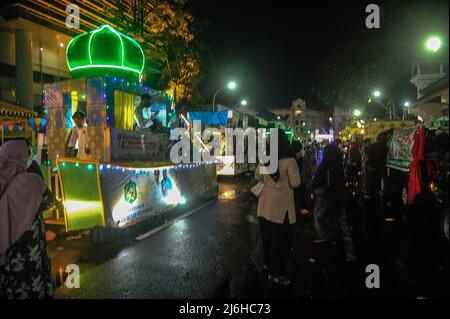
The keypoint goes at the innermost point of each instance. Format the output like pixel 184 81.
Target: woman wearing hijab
pixel 24 264
pixel 329 186
pixel 276 211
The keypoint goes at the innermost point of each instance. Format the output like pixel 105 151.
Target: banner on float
pixel 130 196
pixel 400 149
pixel 136 145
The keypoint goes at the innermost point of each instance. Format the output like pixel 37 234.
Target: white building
pixel 430 76
pixel 299 118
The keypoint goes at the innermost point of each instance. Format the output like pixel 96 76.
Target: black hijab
pixel 284 151
pixel 332 162
pixel 284 147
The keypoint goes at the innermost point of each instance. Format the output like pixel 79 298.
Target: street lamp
pixel 357 113
pixel 231 86
pixel 433 44
pixel 406 106
pixel 330 119
pixel 390 107
pixel 244 102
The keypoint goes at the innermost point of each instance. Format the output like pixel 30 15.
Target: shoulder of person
pixel 288 160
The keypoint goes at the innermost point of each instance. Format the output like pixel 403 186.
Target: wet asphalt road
pixel 206 255
pixel 216 253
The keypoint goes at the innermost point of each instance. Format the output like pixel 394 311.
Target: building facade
pixel 302 120
pixel 341 119
pixel 430 77
pixel 34 36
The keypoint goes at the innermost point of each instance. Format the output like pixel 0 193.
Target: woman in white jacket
pixel 276 211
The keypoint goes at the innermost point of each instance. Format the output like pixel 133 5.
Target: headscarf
pixel 284 147
pixel 284 151
pixel 21 194
pixel 331 157
pixel 296 147
pixel 331 162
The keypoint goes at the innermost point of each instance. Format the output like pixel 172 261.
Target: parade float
pixel 128 176
pixel 374 128
pixel 226 165
pixel 322 136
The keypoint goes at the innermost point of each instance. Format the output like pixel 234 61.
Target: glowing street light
pixel 244 102
pixel 390 107
pixel 433 44
pixel 406 108
pixel 357 113
pixel 231 86
pixel 330 119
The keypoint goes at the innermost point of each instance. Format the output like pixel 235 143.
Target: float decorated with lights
pixel 128 176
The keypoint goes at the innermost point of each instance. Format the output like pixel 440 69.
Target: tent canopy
pixel 11 110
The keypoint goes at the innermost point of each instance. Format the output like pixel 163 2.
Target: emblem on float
pixel 130 192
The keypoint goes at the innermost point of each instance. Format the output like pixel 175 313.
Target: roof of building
pixel 434 89
pixel 8 109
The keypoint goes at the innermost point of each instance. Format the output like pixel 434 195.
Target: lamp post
pixel 405 107
pixel 231 86
pixel 390 107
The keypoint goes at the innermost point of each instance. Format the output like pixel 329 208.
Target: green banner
pixel 400 147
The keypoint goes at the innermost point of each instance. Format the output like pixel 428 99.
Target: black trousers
pixel 277 244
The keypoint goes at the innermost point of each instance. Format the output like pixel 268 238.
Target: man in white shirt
pixel 78 137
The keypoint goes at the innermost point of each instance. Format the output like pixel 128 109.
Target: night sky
pixel 272 49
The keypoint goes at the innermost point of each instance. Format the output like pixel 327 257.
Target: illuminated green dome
pixel 104 51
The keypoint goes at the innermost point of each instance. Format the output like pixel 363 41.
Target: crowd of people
pixel 315 180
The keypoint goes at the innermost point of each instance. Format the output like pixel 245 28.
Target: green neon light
pixel 123 64
pixel 138 46
pixel 105 66
pixel 98 30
